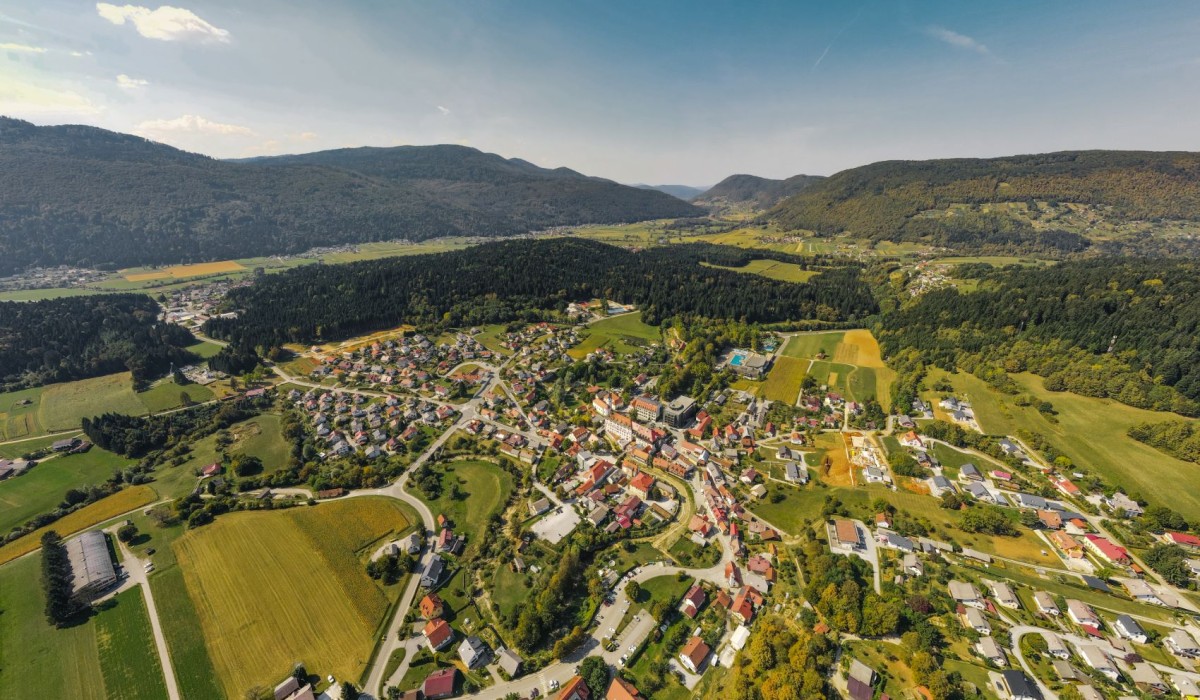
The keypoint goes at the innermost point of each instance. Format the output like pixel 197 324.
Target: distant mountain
pixel 753 191
pixel 1049 202
pixel 86 196
pixel 684 192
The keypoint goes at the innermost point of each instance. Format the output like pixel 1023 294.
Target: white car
pixel 553 685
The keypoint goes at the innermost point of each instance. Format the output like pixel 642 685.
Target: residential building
pixel 1055 646
pixel 1004 595
pixel 621 689
pixel 1182 644
pixel 1146 679
pixel 966 594
pixel 509 661
pixel 1045 604
pixel 1081 613
pixel 970 472
pixel 1093 656
pixel 991 651
pixel 1124 505
pixel 694 653
pixel 1019 686
pixel 1129 629
pixel 648 408
pixel 432 606
pixel 971 617
pixel 1106 550
pixel 693 600
pixel 847 534
pixel 860 681
pixel 438 634
pixel 439 684
pixel 575 689
pixel 913 565
pixel 473 652
pixel 433 571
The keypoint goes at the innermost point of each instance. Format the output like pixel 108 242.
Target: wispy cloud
pixel 306 136
pixel 957 40
pixel 25 99
pixel 21 48
pixel 127 83
pixel 165 23
pixel 191 123
pixel 444 110
pixel 836 37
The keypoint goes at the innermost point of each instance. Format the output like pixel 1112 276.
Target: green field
pixel 809 345
pixel 41 489
pixel 128 658
pixel 852 365
pixel 1092 432
pixel 783 381
pixel 272 589
pixel 26 446
pixel 773 269
pixel 194 671
pixel 204 349
pixel 615 334
pixel 261 437
pixel 107 508
pixel 486 488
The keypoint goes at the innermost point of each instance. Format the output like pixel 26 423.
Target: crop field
pixel 809 345
pixel 773 269
pixel 185 639
pixel 41 489
pixel 128 658
pixel 122 501
pixel 19 413
pixel 783 381
pixel 486 487
pixel 620 334
pixel 183 271
pixel 1107 450
pixel 243 574
pixel 853 364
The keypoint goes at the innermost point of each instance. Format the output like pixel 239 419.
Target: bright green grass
pixel 509 590
pixel 612 332
pixel 261 437
pixel 166 395
pixel 19 413
pixel 204 349
pixel 690 555
pixel 194 672
pixel 666 589
pixel 486 486
pixel 863 384
pixel 832 374
pixel 773 269
pixel 811 344
pixel 128 658
pixel 64 405
pixel 40 489
pixel 28 446
pixel 37 659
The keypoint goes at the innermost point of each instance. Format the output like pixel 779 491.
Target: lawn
pixel 1108 451
pixel 41 489
pixel 798 510
pixel 194 671
pixel 27 446
pixel 668 589
pixel 773 269
pixel 485 488
pixel 166 395
pixel 261 437
pixel 621 334
pixel 809 345
pixel 895 677
pixel 783 381
pixel 128 658
pixel 688 554
pixel 123 501
pixel 204 349
pixel 273 589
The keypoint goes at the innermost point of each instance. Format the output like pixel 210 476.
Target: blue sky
pixel 645 91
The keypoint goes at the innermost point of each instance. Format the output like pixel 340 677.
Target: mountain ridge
pixel 741 190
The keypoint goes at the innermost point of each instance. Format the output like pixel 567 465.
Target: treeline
pixel 134 436
pixel 543 616
pixel 57 340
pixel 1120 329
pixel 523 280
pixel 1176 437
pixel 56 581
pixel 886 200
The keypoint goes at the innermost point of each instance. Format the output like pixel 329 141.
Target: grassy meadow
pixel 106 508
pixel 486 486
pixel 41 489
pixel 615 334
pixel 772 269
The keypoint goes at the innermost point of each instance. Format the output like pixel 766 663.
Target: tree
pixel 595 675
pixel 349 692
pixel 634 590
pixel 127 532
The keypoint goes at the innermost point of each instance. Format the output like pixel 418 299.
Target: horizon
pixel 675 93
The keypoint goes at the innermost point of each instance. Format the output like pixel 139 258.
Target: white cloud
pixel 953 38
pixel 165 23
pixel 21 48
pixel 443 110
pixel 306 136
pixel 24 99
pixel 190 123
pixel 124 81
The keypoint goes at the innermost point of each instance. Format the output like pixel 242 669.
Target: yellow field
pixel 840 467
pixel 106 508
pixel 858 347
pixel 273 589
pixel 182 271
pixel 783 381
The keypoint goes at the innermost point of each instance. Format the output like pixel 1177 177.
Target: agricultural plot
pixel 852 363
pixel 773 269
pixel 621 334
pixel 106 508
pixel 271 589
pixel 41 489
pixel 783 381
pixel 182 271
pixel 128 658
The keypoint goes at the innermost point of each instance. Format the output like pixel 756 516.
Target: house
pixel 1181 644
pixel 1146 679
pixel 432 606
pixel 439 684
pixel 979 492
pixel 913 565
pixel 887 538
pixel 874 475
pixel 1019 686
pixel 971 617
pixel 1106 550
pixel 1093 656
pixel 740 636
pixel 694 654
pixel 1188 688
pixel 539 506
pixel 912 440
pixel 966 594
pixel 621 689
pixel 847 534
pixel 509 661
pixel 1050 519
pixel 991 651
pixel 641 485
pixel 1081 613
pixel 1140 590
pixel 943 484
pixel 412 544
pixel 693 600
pixel 1055 646
pixel 1045 603
pixel 860 680
pixel 433 572
pixel 1129 629
pixel 1026 501
pixel 795 473
pixel 883 520
pixel 1124 505
pixel 575 689
pixel 1182 539
pixel 437 634
pixel 1065 543
pixel 473 652
pixel 212 469
pixel 1004 595
pixel 969 472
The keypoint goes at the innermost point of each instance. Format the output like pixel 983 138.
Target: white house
pixel 1129 629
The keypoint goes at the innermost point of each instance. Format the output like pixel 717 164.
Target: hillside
pixel 753 191
pixel 684 192
pixel 82 195
pixel 1056 202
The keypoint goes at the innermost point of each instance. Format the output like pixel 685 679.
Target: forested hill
pixel 684 192
pixel 57 340
pixel 753 191
pixel 82 195
pixel 512 280
pixel 1121 329
pixel 915 200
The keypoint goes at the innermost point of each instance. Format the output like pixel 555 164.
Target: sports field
pixel 183 271
pixel 783 381
pixel 41 489
pixel 773 269
pixel 106 508
pixel 620 334
pixel 274 588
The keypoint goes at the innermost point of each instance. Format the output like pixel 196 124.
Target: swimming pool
pixel 737 358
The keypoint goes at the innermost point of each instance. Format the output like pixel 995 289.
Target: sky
pixel 658 92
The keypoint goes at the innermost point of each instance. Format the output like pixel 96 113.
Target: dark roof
pixel 1096 583
pixel 1020 685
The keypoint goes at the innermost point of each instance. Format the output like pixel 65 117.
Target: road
pixel 135 575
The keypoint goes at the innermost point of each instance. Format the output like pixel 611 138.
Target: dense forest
pixel 86 196
pixel 134 436
pixel 57 340
pixel 885 201
pixel 755 192
pixel 1122 329
pixel 519 280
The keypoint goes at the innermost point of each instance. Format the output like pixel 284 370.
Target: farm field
pixel 41 489
pixel 773 269
pixel 181 271
pixel 241 574
pixel 486 487
pixel 783 381
pixel 166 395
pixel 852 366
pixel 615 333
pixel 809 345
pixel 128 658
pixel 30 445
pixel 1108 451
pixel 204 349
pixel 122 501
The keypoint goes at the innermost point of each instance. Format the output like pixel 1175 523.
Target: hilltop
pixel 87 196
pixel 753 191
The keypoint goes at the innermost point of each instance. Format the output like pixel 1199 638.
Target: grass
pixel 486 487
pixel 41 489
pixel 261 437
pixel 166 395
pixel 783 381
pixel 667 589
pixel 128 658
pixel 106 508
pixel 1108 451
pixel 809 345
pixel 852 363
pixel 616 334
pixel 896 678
pixel 691 555
pixel 272 589
pixel 204 349
pixel 194 672
pixel 19 413
pixel 27 446
pixel 394 660
pixel 773 269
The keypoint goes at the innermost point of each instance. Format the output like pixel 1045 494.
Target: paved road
pixel 135 574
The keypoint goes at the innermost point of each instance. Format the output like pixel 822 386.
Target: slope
pixel 753 191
